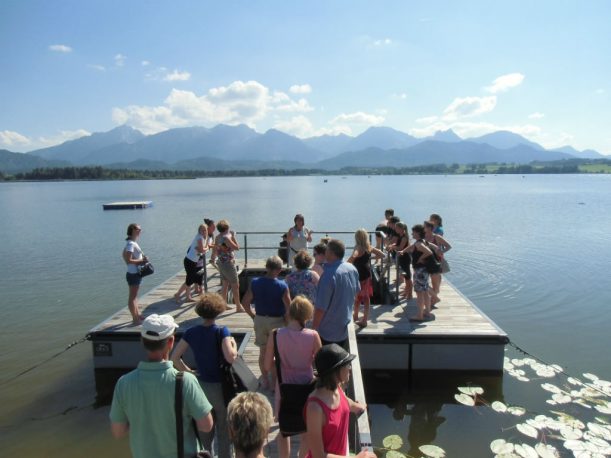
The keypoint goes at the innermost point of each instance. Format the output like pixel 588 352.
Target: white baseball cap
pixel 158 327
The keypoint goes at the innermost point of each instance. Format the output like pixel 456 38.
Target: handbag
pixel 293 397
pixel 231 383
pixel 431 263
pixel 180 440
pixel 445 267
pixel 146 269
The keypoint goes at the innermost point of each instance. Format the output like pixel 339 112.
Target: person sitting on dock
pixel 298 237
pixel 224 246
pixel 337 290
pixel 203 339
pixel 144 399
pixel 303 281
pixel 250 418
pixel 271 299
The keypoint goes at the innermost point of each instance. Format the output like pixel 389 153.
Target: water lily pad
pixel 557 368
pixel 571 421
pixel 501 446
pixel 569 433
pixel 527 430
pixel 546 450
pixel 526 451
pixel 518 362
pixel 545 372
pixel 551 388
pixel 606 409
pixel 395 454
pixel 561 398
pixel 393 442
pixel 574 381
pixel 432 450
pixel 471 390
pixel 523 379
pixel 465 399
pixel 517 411
pixel 498 406
pixel 602 431
pixel 590 376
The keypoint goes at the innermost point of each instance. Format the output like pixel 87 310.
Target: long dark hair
pixel 130 230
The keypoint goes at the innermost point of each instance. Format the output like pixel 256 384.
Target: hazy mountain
pixel 381 137
pixel 274 145
pixel 331 144
pixel 12 163
pixel 77 150
pixel 435 152
pixel 585 154
pixel 448 136
pixel 503 139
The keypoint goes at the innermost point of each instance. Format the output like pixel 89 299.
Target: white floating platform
pixel 135 205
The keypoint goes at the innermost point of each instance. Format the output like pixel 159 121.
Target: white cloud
pixel 427 120
pixel 61 137
pixel 145 63
pixel 358 118
pixel 302 127
pixel 60 48
pixel 505 82
pixel 600 91
pixel 300 89
pixel 466 107
pixel 382 42
pixel 177 76
pixel 283 102
pixel 97 67
pixel 120 60
pixel 11 138
pixel 400 95
pixel 536 115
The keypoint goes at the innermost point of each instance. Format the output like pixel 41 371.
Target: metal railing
pixel 359 431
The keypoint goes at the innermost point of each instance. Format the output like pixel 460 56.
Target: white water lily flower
pixel 393 442
pixel 561 398
pixel 433 451
pixel 501 446
pixel 517 411
pixel 471 390
pixel 602 431
pixel 546 450
pixel 590 376
pixel 465 399
pixel 527 430
pixel 498 406
pixel 551 388
pixel 526 451
pixel 571 434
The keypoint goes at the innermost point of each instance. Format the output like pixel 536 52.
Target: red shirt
pixel 335 430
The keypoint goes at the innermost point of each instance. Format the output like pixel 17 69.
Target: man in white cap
pixel 143 401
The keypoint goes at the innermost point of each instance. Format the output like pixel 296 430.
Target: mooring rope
pixel 73 344
pixel 561 371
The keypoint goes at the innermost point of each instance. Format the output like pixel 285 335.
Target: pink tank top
pixel 335 430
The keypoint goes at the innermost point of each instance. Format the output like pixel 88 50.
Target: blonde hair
pixel 301 310
pixel 249 417
pixel 362 240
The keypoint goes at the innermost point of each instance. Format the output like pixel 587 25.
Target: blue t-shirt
pixel 267 296
pixel 204 344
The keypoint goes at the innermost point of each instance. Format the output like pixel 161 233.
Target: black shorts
pixel 192 276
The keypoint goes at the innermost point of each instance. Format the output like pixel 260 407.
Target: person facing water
pixel 133 257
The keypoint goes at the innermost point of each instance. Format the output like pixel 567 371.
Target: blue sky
pixel 541 69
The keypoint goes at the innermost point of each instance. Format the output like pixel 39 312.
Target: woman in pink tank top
pixel 327 411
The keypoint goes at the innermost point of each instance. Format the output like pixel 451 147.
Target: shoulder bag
pixel 145 269
pixel 180 440
pixel 231 383
pixel 293 397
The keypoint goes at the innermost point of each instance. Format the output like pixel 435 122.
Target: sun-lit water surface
pixel 532 252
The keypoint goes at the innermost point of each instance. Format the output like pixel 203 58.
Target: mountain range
pixel 226 147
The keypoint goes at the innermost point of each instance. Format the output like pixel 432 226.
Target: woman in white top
pixel 193 263
pixel 133 257
pixel 298 237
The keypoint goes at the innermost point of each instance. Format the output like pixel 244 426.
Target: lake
pixel 531 251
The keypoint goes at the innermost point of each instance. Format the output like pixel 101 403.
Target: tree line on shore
pixel 101 173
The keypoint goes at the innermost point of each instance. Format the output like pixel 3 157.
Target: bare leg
pixel 355 310
pixel 132 304
pixel 179 293
pixel 235 292
pixel 421 302
pixel 303 446
pixel 265 384
pixel 284 446
pixel 367 305
pixel 225 289
pixel 407 291
pixel 434 291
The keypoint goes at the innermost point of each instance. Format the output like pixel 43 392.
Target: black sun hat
pixel 330 357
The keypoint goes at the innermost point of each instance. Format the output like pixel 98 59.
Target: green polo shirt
pixel 144 399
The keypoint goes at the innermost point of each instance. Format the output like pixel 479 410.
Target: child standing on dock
pixel 361 259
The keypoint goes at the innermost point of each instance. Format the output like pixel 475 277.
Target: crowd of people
pixel 300 323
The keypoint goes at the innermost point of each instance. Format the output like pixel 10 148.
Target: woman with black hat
pixel 328 408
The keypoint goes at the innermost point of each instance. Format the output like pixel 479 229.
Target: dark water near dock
pixel 533 253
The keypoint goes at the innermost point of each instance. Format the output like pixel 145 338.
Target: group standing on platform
pixel 301 328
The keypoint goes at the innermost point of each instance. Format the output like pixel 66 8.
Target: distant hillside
pixel 331 144
pixel 381 137
pixel 503 139
pixel 11 163
pixel 585 154
pixel 448 136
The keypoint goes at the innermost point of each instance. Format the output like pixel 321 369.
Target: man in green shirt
pixel 143 401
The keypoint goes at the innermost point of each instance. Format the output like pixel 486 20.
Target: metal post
pixel 245 250
pixel 205 273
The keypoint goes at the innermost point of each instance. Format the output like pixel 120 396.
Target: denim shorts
pixel 133 279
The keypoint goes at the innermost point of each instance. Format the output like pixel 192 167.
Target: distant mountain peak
pixel 448 136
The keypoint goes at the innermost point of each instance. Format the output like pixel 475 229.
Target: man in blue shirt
pixel 337 289
pixel 143 401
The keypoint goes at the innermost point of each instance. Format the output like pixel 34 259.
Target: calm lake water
pixel 532 252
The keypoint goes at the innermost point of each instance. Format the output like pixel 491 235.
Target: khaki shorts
pixel 264 325
pixel 228 271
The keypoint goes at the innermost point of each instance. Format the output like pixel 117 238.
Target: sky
pixel 541 69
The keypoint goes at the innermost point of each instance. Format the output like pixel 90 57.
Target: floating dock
pixel 135 205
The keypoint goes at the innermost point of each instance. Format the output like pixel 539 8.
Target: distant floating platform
pixel 128 205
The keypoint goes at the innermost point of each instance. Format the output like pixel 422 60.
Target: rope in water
pixel 22 373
